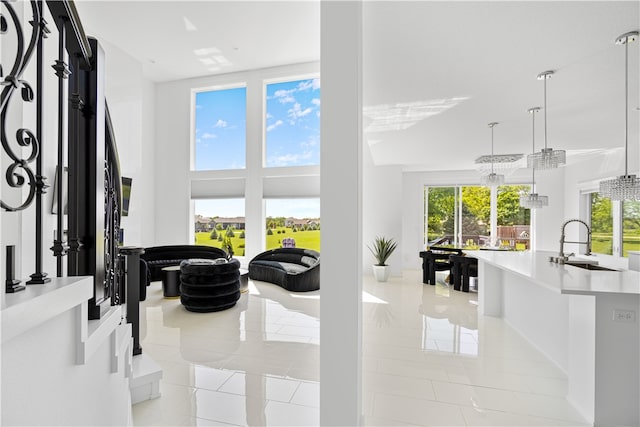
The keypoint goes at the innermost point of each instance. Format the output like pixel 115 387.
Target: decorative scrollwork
pixel 20 172
pixel 112 195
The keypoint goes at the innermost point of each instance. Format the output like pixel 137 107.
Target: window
pixel 220 223
pixel 293 223
pixel 601 225
pixel 292 123
pixel 615 225
pixel 220 129
pixel 461 216
pixel 630 226
pixel 514 221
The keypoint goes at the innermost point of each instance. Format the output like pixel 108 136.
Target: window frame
pixel 616 213
pixel 493 216
pixel 254 182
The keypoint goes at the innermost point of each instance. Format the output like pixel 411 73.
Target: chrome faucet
pixel 561 256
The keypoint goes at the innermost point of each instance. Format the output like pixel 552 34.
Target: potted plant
pixel 382 250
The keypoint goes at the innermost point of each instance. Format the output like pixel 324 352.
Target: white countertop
pixel 565 279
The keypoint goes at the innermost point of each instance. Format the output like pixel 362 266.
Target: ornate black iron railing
pixel 85 132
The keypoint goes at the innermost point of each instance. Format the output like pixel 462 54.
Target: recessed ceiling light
pixel 206 51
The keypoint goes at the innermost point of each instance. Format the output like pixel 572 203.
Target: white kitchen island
pixel 585 321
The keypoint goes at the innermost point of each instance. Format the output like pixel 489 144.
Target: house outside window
pixel 220 223
pixel 292 223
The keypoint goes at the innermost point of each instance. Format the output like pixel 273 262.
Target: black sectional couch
pixel 158 257
pixel 294 269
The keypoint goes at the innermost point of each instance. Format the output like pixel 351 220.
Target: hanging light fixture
pixel 624 187
pixel 547 158
pixel 493 178
pixel 533 200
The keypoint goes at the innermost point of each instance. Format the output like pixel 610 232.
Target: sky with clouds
pixel 292 126
pixel 221 129
pixel 293 123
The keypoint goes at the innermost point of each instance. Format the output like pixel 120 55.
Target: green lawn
pixel 602 243
pixel 203 238
pixel 304 239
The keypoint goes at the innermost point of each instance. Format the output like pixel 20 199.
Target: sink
pixel 589 266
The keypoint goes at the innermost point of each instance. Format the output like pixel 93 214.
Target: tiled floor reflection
pixel 254 364
pixel 427 360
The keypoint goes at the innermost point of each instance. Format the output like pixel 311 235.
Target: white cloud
pixel 274 125
pixel 208 135
pixel 311 142
pixel 313 84
pixel 297 111
pixel 315 101
pixel 284 96
pixel 220 124
pixel 289 159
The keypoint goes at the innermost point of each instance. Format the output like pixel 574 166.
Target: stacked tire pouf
pixel 209 285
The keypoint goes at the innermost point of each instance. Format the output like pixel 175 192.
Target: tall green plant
pixel 382 249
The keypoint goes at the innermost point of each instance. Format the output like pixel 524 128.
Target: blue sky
pixel 221 129
pixel 293 123
pixel 297 208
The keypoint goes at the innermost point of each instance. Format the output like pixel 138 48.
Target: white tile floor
pixel 427 360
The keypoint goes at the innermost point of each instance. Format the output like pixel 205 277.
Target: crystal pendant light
pixel 625 187
pixel 547 158
pixel 533 200
pixel 493 178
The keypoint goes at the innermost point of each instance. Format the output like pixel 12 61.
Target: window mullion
pixel 617 228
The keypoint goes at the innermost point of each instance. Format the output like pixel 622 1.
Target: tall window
pixel 293 123
pixel 601 225
pixel 220 129
pixel 630 226
pixel 514 221
pixel 220 223
pixel 461 216
pixel 293 223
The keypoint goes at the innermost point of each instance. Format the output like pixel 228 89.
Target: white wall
pixel 43 385
pixel 131 99
pixel 547 221
pixel 382 210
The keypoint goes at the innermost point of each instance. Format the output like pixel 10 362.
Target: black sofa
pixel 158 257
pixel 294 269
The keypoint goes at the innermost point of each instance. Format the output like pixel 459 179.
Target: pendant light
pixel 533 200
pixel 493 178
pixel 547 158
pixel 625 187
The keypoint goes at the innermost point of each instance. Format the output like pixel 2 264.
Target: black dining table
pixel 436 259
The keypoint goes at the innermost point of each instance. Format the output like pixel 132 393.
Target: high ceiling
pixel 435 73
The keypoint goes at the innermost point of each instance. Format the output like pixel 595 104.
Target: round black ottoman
pixel 209 285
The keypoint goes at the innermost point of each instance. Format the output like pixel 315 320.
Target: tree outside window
pixel 601 225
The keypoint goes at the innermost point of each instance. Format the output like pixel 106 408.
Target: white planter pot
pixel 381 272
